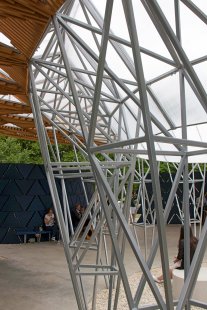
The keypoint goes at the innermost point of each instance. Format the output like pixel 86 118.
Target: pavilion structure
pixel 124 82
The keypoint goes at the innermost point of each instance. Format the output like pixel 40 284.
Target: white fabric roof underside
pixel 161 75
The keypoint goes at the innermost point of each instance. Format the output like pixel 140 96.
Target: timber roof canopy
pixel 23 23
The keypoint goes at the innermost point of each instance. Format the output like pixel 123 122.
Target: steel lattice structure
pixel 75 87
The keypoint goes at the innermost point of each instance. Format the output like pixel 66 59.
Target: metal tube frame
pixel 75 101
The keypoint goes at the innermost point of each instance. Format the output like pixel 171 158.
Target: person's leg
pixel 131 215
pixel 55 232
pixel 85 225
pixel 204 216
pixel 49 228
pixel 160 278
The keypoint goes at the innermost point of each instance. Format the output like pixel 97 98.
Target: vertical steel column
pixel 127 205
pixel 107 189
pixel 151 149
pixel 156 241
pixel 53 189
pixel 70 78
pixel 114 239
pixel 67 215
pixel 100 69
pixel 185 172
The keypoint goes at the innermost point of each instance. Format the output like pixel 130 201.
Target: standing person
pixel 76 215
pixel 49 221
pixel 204 208
pixel 179 259
pixel 133 208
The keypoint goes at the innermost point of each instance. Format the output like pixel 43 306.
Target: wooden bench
pixel 26 232
pixel 200 289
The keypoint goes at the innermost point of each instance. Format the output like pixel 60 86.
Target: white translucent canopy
pixel 162 74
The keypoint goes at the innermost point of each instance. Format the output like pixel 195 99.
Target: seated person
pixel 49 221
pixel 179 259
pixel 82 210
pixel 76 215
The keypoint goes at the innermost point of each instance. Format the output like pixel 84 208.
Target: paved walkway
pixel 35 276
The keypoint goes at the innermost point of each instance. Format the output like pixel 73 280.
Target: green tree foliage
pixel 67 153
pixel 28 152
pixel 19 151
pixel 164 167
pixel 22 151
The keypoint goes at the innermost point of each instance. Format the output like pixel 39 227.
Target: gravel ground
pixel 147 296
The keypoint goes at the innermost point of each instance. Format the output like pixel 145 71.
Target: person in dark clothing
pixel 50 224
pixel 89 234
pixel 76 215
pixel 204 215
pixel 82 211
pixel 133 208
pixel 193 245
pixel 179 259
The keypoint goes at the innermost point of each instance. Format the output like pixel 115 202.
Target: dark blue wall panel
pixel 165 184
pixel 25 196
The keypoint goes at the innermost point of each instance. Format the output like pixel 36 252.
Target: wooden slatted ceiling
pixel 10 87
pixel 15 65
pixel 23 22
pixel 12 107
pixel 28 135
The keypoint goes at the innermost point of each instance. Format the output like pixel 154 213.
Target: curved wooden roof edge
pixel 15 17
